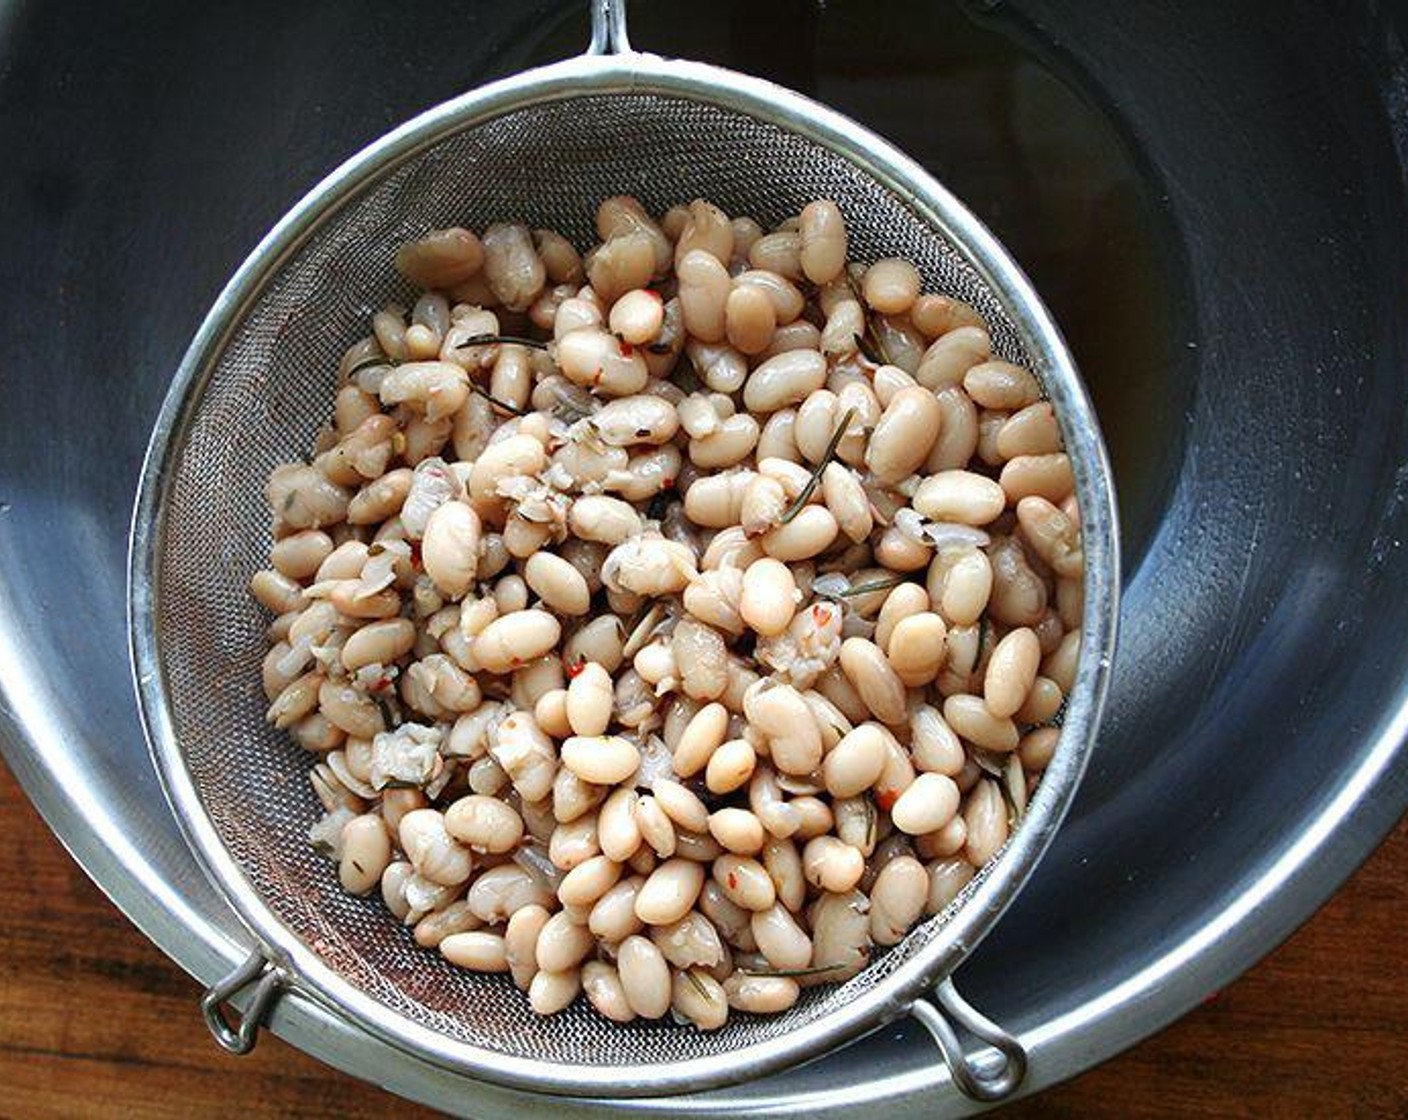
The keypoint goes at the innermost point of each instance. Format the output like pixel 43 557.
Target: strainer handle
pixel 609 28
pixel 241 1039
pixel 984 1076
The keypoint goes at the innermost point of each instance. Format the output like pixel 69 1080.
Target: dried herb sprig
pixel 493 400
pixel 865 588
pixel 502 340
pixel 814 970
pixel 812 483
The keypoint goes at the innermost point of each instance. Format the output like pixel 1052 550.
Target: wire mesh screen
pixel 272 387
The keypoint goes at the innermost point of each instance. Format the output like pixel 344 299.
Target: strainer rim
pixel 716 86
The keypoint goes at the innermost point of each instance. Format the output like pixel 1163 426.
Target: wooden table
pixel 96 1022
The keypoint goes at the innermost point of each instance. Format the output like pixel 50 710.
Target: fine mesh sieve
pixel 542 148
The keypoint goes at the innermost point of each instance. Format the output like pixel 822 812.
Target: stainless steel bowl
pixel 1214 208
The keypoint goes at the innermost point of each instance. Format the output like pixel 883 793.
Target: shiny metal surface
pixel 1213 205
pixel 261 352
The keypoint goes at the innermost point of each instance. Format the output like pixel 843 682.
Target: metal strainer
pixel 543 148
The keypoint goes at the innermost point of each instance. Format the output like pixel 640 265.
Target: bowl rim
pixel 888 999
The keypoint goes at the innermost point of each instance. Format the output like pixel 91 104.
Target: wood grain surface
pixel 96 1022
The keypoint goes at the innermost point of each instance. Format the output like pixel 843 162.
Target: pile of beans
pixel 677 624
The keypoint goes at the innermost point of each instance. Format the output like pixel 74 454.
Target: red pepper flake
pixel 627 350
pixel 732 881
pixel 886 798
pixel 574 669
pixel 666 483
pixel 415 555
pixel 515 661
pixel 819 614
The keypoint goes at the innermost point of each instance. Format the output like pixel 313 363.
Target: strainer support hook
pixel 241 1039
pixel 609 28
pixel 985 1076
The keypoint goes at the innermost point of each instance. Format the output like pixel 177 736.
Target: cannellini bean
pixel 750 319
pixel 744 882
pixel 897 899
pixel 432 929
pixel 761 995
pixel 786 379
pixel 440 259
pixel 810 533
pixel 514 639
pixel 904 434
pixel 769 597
pixel 514 270
pixel 602 985
pixel 904 600
pixel 618 831
pixel 560 585
pixel 959 496
pixel 832 865
pixel 986 818
pixel 822 238
pixel 847 501
pixel 1053 536
pixel 1042 702
pixel 366 853
pixel 707 229
pixel 853 765
pixel 550 992
pixel 877 683
pixel 1046 476
pixel 1011 672
pixel 655 826
pixel 562 943
pixel 891 286
pixel 699 999
pixel 479 950
pixel 783 863
pixel 961 582
pixel 484 823
pixel 622 214
pixel 621 264
pixel 299 556
pixel 733 442
pixel 780 939
pixel 704 286
pixel 1001 385
pixel 730 766
pixel 1030 431
pixel 433 852
pixel 701 656
pixel 589 700
pixel 680 804
pixel 933 745
pixel 917 648
pixel 450 548
pixel 947 878
pixel 840 934
pixel 378 643
pixel 669 892
pixel 951 355
pixel 613 915
pixel 602 759
pixel 702 736
pixel 935 315
pixel 927 805
pixel 588 881
pixel 737 830
pixel 645 976
pixel 1038 748
pixel 971 719
pixel 1060 665
pixel 779 252
pixel 778 711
